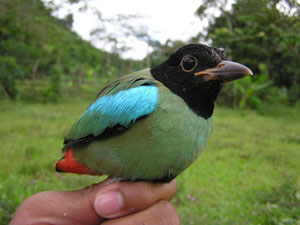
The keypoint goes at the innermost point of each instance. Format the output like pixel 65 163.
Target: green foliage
pixel 247 174
pixel 37 46
pixel 10 72
pixel 53 91
pixel 47 89
pixel 247 92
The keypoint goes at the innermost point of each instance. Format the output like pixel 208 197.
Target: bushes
pixel 53 91
pixel 254 92
pixel 10 72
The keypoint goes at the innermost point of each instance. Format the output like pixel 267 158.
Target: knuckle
pixel 174 182
pixel 167 206
pixel 173 188
pixel 171 215
pixel 149 194
pixel 175 219
pixel 160 191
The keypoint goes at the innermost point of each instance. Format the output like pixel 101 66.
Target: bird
pixel 152 124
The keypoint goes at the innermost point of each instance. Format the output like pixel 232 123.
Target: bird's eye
pixel 188 63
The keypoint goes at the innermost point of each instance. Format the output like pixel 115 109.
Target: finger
pixel 161 213
pixel 131 197
pixel 57 207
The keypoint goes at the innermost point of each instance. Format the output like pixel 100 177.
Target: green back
pixel 131 80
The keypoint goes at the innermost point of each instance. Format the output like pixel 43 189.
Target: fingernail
pixel 109 203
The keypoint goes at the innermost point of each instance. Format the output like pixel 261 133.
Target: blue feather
pixel 122 108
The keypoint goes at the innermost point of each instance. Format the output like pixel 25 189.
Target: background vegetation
pixel 248 173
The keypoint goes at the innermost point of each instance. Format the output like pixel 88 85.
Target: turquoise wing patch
pixel 123 107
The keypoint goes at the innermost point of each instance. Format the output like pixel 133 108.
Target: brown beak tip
pixel 250 72
pixel 247 70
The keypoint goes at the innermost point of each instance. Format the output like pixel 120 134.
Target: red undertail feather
pixel 68 164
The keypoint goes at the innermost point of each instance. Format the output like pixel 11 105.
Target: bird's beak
pixel 225 71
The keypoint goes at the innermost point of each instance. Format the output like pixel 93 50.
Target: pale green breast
pixel 179 131
pixel 165 142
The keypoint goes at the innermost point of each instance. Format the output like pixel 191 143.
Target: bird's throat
pixel 200 99
pixel 200 102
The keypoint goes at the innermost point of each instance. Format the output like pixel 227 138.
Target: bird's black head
pixel 196 73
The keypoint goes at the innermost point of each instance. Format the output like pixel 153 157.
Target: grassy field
pixel 248 174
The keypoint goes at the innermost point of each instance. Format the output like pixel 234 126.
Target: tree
pixel 36 46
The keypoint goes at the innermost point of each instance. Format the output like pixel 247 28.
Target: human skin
pixel 107 203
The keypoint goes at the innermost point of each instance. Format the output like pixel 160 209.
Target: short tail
pixel 69 164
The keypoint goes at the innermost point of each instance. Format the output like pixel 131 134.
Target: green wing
pixel 119 103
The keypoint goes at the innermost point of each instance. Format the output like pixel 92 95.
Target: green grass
pixel 249 173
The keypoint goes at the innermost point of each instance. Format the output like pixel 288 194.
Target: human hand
pixel 107 203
